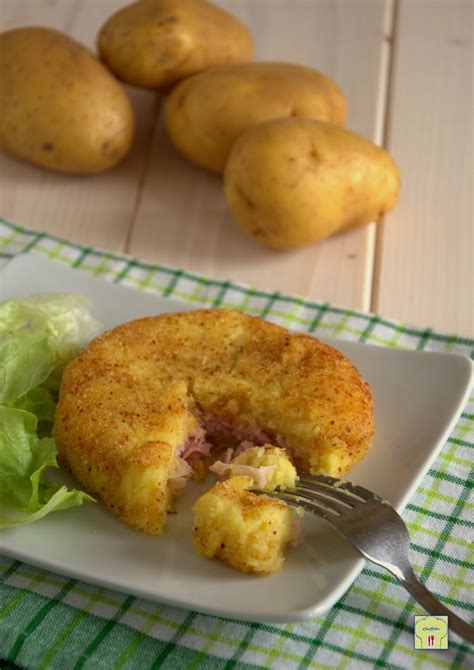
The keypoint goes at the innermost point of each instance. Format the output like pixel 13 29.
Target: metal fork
pixel 374 528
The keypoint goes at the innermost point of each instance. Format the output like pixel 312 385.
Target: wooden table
pixel 406 67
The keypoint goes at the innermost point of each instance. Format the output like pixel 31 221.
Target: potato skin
pixel 293 182
pixel 156 43
pixel 205 114
pixel 61 108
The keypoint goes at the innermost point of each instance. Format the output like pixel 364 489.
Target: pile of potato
pixel 292 174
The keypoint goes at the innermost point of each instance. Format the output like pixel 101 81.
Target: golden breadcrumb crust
pixel 129 400
pixel 247 531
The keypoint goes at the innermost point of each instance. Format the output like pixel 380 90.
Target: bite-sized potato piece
pixel 281 473
pixel 205 114
pixel 247 531
pixel 293 182
pixel 60 107
pixel 156 43
pixel 269 467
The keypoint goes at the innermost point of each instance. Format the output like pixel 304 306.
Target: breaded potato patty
pixel 249 532
pixel 130 402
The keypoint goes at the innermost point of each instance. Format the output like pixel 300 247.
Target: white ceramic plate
pixel 418 399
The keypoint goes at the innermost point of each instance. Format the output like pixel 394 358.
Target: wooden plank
pixel 182 218
pixel 425 252
pixel 95 210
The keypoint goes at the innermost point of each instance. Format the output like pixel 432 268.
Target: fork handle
pixel 421 594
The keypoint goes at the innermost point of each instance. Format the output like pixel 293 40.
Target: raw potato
pixel 60 108
pixel 205 114
pixel 156 43
pixel 293 182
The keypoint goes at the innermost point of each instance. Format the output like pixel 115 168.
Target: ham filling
pixel 296 532
pixel 222 430
pixel 182 472
pixel 259 475
pixel 194 449
pixel 197 446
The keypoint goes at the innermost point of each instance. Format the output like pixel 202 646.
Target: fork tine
pixel 343 497
pixel 311 501
pixel 338 484
pixel 375 530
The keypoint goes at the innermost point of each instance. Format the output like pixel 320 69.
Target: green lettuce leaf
pixel 38 337
pixel 62 498
pixel 63 318
pixel 25 362
pixel 40 402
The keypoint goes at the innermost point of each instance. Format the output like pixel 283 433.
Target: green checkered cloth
pixel 49 621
